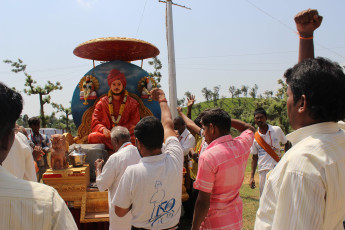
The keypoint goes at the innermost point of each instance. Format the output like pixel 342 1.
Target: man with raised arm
pixel 306 189
pixel 151 190
pixel 192 167
pixel 221 171
pixel 109 177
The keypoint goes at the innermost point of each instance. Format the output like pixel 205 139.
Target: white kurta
pixel 110 178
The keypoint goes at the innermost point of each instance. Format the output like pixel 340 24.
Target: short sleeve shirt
pixel 154 188
pixel 273 137
pixel 221 172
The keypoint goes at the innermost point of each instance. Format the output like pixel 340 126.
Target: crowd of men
pixel 303 189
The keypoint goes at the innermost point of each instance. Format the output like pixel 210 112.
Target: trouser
pixel 188 205
pixel 262 180
pixel 42 167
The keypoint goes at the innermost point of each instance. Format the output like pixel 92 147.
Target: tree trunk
pixel 67 120
pixel 43 125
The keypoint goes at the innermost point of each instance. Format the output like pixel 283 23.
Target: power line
pixel 175 4
pixel 240 55
pixel 293 30
pixel 141 18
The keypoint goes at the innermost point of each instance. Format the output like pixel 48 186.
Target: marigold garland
pixel 111 107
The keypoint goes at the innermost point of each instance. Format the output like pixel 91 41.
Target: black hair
pixel 219 118
pixel 34 121
pixel 260 110
pixel 11 106
pixel 322 82
pixel 150 132
pixel 179 120
pixel 197 120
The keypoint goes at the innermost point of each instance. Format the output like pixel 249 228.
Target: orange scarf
pixel 266 147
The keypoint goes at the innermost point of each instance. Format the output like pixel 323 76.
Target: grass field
pixel 250 198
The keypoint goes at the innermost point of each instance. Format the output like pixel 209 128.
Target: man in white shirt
pixel 19 160
pixel 306 189
pixel 152 189
pixel 25 204
pixel 186 139
pixel 273 136
pixel 109 177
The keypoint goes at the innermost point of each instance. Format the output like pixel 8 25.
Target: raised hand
pixel 190 101
pixel 307 21
pixel 157 94
pixel 179 109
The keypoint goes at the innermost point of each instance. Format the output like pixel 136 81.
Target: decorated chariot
pixel 76 184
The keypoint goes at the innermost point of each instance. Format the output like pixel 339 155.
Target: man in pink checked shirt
pixel 221 172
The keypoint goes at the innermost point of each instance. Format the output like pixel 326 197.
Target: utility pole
pixel 171 57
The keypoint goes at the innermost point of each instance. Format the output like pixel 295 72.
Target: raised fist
pixel 307 21
pixel 157 94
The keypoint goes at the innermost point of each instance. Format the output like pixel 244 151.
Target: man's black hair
pixel 11 106
pixel 179 120
pixel 34 121
pixel 260 110
pixel 219 118
pixel 150 132
pixel 197 120
pixel 322 82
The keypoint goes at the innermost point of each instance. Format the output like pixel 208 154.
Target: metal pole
pixel 171 61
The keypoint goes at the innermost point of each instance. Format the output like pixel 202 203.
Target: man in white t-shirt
pixel 273 136
pixel 109 177
pixel 151 190
pixel 186 139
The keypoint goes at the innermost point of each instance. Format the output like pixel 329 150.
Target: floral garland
pixel 143 81
pixel 111 107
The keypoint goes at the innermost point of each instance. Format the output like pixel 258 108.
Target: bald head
pixel 119 135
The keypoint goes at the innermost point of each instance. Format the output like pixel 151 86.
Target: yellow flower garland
pixel 111 107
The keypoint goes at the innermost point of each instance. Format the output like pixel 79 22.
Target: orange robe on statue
pixel 101 119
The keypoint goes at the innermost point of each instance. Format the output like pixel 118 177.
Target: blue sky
pixel 223 42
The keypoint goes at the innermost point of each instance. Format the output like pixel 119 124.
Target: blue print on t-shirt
pixel 162 210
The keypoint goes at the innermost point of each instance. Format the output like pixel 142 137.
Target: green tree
pixel 232 90
pixel 237 94
pixel 157 65
pixel 66 113
pixel 253 91
pixel 244 89
pixel 268 93
pixel 206 93
pixel 187 94
pixel 281 93
pixel 215 95
pixel 180 102
pixel 32 88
